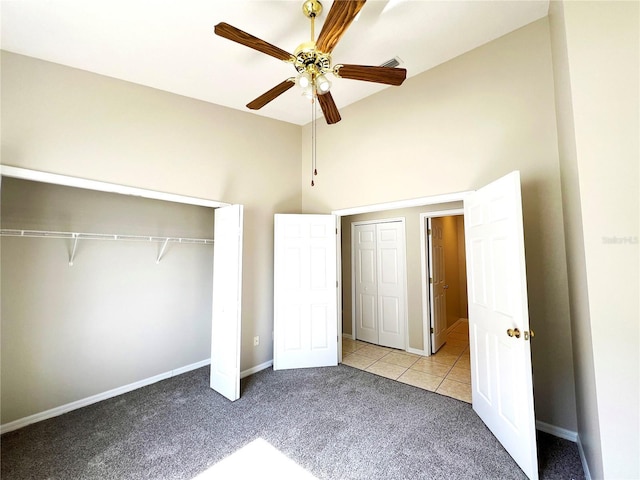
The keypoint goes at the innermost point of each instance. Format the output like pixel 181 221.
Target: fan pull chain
pixel 314 171
pixel 315 140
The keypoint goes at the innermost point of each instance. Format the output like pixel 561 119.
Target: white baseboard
pixel 256 369
pixel 408 350
pixel 415 351
pixel 557 431
pixel 583 459
pixel 54 412
pixel 455 324
pixel 567 435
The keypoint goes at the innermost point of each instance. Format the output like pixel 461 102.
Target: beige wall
pixel 458 127
pixel 596 52
pixel 61 120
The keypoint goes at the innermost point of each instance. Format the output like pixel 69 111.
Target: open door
pixel 501 383
pixel 305 292
pixel 437 285
pixel 227 301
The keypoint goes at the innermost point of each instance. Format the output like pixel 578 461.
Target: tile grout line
pixel 406 369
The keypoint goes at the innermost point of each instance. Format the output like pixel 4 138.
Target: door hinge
pixel 336 283
pixel 429 232
pixel 430 280
pixel 431 329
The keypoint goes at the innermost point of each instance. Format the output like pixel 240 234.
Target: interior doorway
pixel 444 275
pixel 417 326
pixel 448 372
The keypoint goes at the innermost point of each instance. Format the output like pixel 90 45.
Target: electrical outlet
pixel 256 341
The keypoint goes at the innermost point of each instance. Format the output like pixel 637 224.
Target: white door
pixel 438 286
pixel 365 282
pixel 227 301
pixel 379 283
pixel 502 389
pixel 391 284
pixel 305 292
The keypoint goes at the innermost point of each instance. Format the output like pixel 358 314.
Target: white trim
pixel 557 431
pixel 416 351
pixel 567 435
pixel 338 221
pixel 424 267
pixel 583 459
pixel 54 178
pixel 414 202
pixel 54 412
pixel 256 369
pixel 381 220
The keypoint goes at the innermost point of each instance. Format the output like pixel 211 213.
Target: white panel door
pixel 305 292
pixel 502 389
pixel 366 283
pixel 438 287
pixel 227 301
pixel 391 284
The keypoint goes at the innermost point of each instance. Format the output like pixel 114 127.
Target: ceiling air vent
pixel 394 62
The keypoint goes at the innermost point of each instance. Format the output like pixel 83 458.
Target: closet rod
pixel 75 236
pixel 101 236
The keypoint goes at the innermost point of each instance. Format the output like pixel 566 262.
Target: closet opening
pixel 101 274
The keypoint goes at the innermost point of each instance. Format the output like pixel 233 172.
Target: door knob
pixel 513 332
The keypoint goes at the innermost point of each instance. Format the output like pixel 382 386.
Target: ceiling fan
pixel 312 59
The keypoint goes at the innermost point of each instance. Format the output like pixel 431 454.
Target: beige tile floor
pixel 447 372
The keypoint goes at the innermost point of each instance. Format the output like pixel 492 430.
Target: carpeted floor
pixel 335 422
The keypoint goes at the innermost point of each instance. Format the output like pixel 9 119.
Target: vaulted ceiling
pixel 170 44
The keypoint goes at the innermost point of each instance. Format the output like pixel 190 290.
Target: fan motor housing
pixel 309 59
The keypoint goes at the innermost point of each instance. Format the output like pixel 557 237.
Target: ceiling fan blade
pixel 236 35
pixel 329 108
pixel 275 92
pixel 340 16
pixel 387 75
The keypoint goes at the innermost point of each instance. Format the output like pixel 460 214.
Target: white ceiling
pixel 170 44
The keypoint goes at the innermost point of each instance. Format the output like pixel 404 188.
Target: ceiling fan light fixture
pixel 304 80
pixel 323 85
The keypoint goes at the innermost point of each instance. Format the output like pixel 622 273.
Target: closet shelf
pixel 76 236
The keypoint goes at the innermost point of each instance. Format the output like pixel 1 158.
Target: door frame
pixel 426 273
pixel 379 207
pixel 402 220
